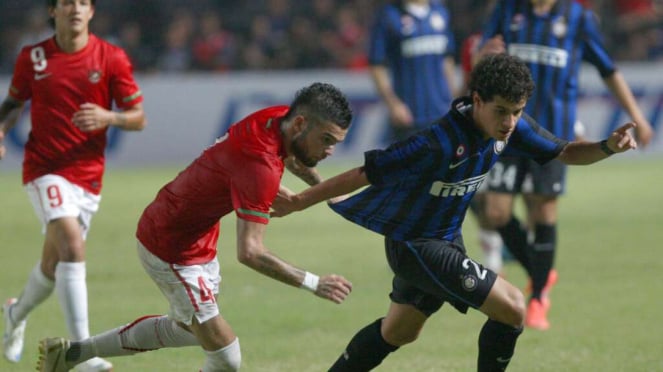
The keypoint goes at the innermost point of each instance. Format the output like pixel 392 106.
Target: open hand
pixel 284 203
pixel 91 117
pixel 334 288
pixel 400 115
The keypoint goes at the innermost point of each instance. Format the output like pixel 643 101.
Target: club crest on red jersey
pixel 94 76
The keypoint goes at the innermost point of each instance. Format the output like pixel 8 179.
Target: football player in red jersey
pixel 178 232
pixel 71 80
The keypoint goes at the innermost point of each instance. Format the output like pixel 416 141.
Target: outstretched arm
pixel 336 186
pixel 252 253
pixel 583 153
pixel 94 117
pixel 10 110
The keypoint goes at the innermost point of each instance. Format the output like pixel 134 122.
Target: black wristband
pixel 605 148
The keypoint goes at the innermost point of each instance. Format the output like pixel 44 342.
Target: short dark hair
pixel 502 75
pixel 322 102
pixel 53 3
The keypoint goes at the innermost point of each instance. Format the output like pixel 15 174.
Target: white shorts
pixel 54 197
pixel 190 290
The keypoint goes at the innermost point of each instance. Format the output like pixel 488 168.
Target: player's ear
pixel 476 99
pixel 299 124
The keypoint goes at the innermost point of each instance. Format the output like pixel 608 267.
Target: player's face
pixel 497 118
pixel 316 142
pixel 543 2
pixel 72 16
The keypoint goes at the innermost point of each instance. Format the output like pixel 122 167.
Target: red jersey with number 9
pixel 57 83
pixel 242 172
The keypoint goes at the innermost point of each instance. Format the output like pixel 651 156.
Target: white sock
pixel 491 244
pixel 36 290
pixel 226 359
pixel 71 289
pixel 155 332
pixel 144 334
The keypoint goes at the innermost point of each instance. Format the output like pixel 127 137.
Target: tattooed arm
pixel 252 253
pixel 10 110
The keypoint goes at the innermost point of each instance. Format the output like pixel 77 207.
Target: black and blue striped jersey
pixel 553 46
pixel 421 187
pixel 414 47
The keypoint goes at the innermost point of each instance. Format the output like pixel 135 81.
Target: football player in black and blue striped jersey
pixel 418 193
pixel 553 37
pixel 411 56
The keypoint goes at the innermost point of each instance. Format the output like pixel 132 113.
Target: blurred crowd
pixel 225 35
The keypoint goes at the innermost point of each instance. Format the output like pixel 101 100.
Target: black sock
pixel 365 351
pixel 542 256
pixel 496 344
pixel 515 238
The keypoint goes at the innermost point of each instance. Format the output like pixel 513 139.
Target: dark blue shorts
pixel 430 272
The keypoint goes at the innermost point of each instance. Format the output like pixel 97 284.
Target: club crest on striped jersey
pixel 517 22
pixel 560 27
pixel 437 22
pixel 470 283
pixel 407 25
pixel 499 147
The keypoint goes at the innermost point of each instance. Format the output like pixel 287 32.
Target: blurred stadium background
pixel 203 64
pixel 208 62
pixel 230 35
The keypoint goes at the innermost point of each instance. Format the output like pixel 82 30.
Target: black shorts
pixel 520 175
pixel 430 272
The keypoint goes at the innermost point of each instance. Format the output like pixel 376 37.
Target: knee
pixel 400 337
pixel 72 251
pixel 496 217
pixel 516 309
pixel 47 266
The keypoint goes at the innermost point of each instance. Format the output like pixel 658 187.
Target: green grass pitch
pixel 606 313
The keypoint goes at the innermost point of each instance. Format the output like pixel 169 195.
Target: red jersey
pixel 57 83
pixel 644 7
pixel 242 172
